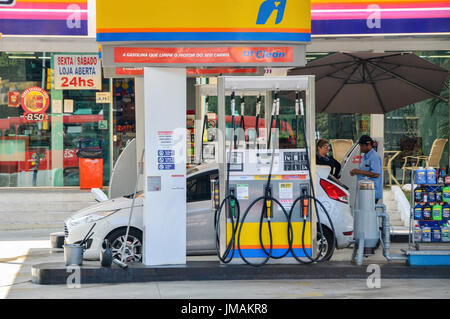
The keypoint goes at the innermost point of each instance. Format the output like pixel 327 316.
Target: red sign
pixel 13 99
pixel 193 71
pixel 130 71
pixel 204 55
pixel 35 101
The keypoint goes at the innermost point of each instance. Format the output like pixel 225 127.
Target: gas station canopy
pixel 204 33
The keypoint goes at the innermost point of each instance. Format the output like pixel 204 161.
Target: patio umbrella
pixel 372 83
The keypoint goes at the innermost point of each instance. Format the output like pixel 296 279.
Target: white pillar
pixel 140 123
pixel 165 182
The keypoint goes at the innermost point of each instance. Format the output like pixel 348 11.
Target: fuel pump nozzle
pixel 204 127
pixel 258 111
pixel 268 202
pixel 242 121
pixel 233 114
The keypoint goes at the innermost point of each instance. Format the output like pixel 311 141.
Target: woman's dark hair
pixel 321 142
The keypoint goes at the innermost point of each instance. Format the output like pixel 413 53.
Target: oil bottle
pixel 445 232
pixel 437 212
pixel 446 194
pixel 446 212
pixel 418 211
pixel 436 233
pixel 439 195
pixel 431 175
pixel 431 195
pixel 441 176
pixel 417 234
pixel 427 212
pixel 426 233
pixel 421 175
pixel 418 194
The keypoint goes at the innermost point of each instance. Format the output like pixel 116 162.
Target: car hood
pixel 112 204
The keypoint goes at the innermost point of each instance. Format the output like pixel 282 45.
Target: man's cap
pixel 364 139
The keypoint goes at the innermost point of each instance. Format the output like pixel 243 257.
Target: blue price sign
pixel 166 153
pixel 165 167
pixel 169 160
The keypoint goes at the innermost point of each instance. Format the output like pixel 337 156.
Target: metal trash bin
pixel 73 254
pixel 90 154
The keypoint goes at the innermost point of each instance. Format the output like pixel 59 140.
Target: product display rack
pixel 431 251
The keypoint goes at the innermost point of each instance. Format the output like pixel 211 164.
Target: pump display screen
pixel 237 161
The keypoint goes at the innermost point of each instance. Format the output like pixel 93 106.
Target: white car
pixel 111 218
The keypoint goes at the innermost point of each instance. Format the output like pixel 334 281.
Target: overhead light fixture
pixel 438 56
pixel 19 52
pixel 31 57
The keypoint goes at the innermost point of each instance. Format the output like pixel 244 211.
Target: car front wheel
pixel 325 243
pixel 131 248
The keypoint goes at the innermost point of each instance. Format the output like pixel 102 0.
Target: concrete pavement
pixel 19 254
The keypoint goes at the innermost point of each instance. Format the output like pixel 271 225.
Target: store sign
pixel 204 21
pixel 137 72
pixel 77 72
pixel 35 101
pixel 211 55
pixel 13 99
pixel 367 17
pixel 38 17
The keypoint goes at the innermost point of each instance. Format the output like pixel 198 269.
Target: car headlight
pixel 92 217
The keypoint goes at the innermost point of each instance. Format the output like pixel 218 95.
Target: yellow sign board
pixel 204 21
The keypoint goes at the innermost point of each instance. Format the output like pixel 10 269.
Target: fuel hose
pixel 267 208
pixel 230 202
pixel 304 199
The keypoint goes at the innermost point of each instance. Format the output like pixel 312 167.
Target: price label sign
pixel 35 101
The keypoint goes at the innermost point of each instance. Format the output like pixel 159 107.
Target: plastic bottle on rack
pixel 436 233
pixel 437 212
pixel 426 233
pixel 431 175
pixel 441 176
pixel 445 232
pixel 431 195
pixel 425 194
pixel 417 234
pixel 421 175
pixel 427 212
pixel 446 194
pixel 418 211
pixel 446 212
pixel 418 194
pixel 439 195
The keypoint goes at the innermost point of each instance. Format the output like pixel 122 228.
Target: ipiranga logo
pixel 4 3
pixel 268 7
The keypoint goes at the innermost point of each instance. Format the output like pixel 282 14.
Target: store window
pixel 124 114
pixel 413 129
pixel 42 126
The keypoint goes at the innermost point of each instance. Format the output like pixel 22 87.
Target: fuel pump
pixel 273 187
